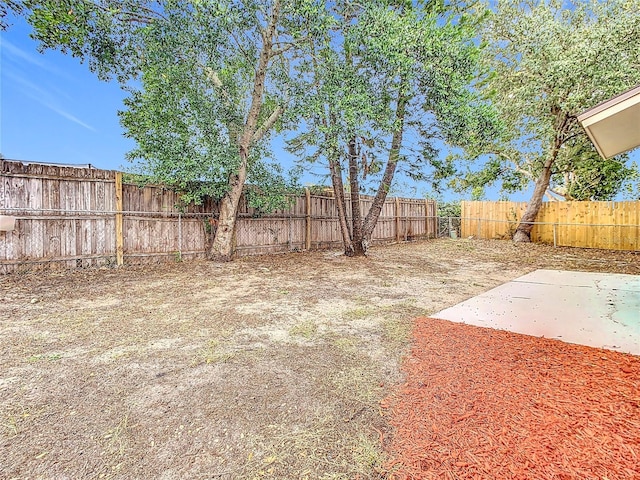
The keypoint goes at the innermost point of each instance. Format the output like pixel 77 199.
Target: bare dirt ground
pixel 267 367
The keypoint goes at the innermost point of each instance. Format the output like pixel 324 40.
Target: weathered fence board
pixel 608 225
pixel 70 217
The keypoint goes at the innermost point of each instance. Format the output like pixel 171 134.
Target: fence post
pixel 79 260
pixel 406 225
pixel 555 237
pixel 479 227
pixel 397 219
pixel 180 235
pixel 426 217
pixel 119 239
pixel 307 235
pixel 290 231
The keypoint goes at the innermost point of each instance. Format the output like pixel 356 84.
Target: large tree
pixel 550 61
pixel 210 83
pixel 385 68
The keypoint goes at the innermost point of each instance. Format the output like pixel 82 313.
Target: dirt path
pixel 268 367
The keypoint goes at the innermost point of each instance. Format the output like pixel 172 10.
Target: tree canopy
pixel 550 61
pixel 208 82
pixel 387 69
pixel 188 113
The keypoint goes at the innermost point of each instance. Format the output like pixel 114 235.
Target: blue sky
pixel 54 109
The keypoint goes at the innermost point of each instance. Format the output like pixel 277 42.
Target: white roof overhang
pixel 614 125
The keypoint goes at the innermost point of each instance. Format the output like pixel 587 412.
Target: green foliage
pixel 272 188
pixel 383 51
pixel 450 209
pixel 175 117
pixel 189 115
pixel 583 175
pixel 7 7
pixel 103 33
pixel 550 61
pixel 189 68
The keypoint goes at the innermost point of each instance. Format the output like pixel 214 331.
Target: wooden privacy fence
pixel 608 225
pixel 80 217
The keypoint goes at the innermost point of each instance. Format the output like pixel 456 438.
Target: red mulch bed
pixel 482 403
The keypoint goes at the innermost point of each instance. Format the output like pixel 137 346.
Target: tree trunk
pixel 338 192
pixel 359 243
pixel 222 247
pixel 563 126
pixel 389 172
pixel 523 232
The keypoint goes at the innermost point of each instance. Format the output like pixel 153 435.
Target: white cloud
pixel 17 52
pixel 45 98
pixel 22 56
pixel 68 116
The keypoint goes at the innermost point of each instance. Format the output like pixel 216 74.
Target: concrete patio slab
pixel 594 309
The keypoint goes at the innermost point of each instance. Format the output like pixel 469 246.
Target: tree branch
pixel 516 167
pixel 280 51
pixel 246 55
pixel 268 123
pixel 277 50
pixel 551 192
pixel 149 16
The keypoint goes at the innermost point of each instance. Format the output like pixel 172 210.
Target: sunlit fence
pixel 607 225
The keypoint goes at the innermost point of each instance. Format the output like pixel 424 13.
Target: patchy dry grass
pixel 264 368
pixel 306 329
